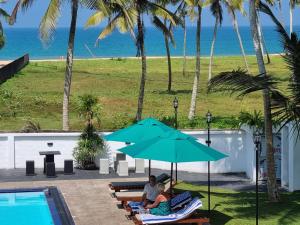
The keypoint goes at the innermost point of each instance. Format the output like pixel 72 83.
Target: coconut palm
pixel 126 16
pixel 183 13
pixel 6 17
pixel 217 12
pixel 233 6
pixel 196 4
pixel 284 108
pixel 47 28
pixel 168 34
pixel 292 4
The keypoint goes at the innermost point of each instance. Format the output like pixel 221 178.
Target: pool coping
pixel 58 207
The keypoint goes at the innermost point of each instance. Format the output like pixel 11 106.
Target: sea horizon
pixel 20 41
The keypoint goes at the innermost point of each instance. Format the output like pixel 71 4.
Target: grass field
pixel 36 92
pixel 238 208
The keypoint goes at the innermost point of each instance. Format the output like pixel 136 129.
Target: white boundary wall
pixel 16 148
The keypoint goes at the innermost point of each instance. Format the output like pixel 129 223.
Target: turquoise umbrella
pixel 174 147
pixel 141 131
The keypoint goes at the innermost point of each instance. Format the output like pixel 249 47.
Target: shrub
pixel 90 144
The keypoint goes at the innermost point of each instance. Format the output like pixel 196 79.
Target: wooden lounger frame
pixel 131 187
pixel 194 218
pixel 138 186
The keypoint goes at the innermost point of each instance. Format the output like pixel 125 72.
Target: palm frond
pixel 49 20
pixel 2 37
pixel 164 29
pixel 24 5
pixel 95 19
pixel 4 15
pixel 109 27
pixel 216 10
pixel 241 83
pixel 90 4
pixel 159 10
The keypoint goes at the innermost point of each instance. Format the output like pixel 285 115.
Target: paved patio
pixel 88 196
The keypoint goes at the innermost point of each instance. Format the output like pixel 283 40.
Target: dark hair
pixel 152 177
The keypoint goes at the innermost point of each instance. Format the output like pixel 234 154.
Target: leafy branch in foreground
pixel 285 107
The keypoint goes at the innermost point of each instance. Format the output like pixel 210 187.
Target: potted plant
pixel 90 144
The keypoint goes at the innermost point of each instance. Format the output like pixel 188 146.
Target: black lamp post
pixel 208 142
pixel 175 105
pixel 257 140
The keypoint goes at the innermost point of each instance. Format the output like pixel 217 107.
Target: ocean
pixel 20 41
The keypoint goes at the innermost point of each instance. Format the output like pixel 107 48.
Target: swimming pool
pixel 33 207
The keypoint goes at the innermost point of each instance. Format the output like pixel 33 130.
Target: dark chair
pixel 50 169
pixel 68 167
pixel 30 168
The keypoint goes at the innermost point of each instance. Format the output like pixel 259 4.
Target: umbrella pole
pixel 208 170
pixel 171 188
pixel 149 170
pixel 176 173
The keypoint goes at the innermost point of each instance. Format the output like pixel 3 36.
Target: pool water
pixel 24 208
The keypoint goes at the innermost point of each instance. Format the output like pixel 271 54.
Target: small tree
pixel 90 144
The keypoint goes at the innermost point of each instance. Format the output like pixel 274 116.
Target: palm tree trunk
pixel 212 49
pixel 169 64
pixel 184 47
pixel 271 182
pixel 169 61
pixel 192 111
pixel 69 65
pixel 236 28
pixel 141 44
pixel 261 37
pixel 291 18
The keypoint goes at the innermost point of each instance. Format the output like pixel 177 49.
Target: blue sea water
pixel 26 40
pixel 24 208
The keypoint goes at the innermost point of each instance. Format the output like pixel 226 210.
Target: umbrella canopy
pixel 142 130
pixel 174 147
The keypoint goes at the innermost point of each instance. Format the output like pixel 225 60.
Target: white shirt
pixel 151 192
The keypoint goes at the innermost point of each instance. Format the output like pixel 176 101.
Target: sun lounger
pixel 134 199
pixel 185 215
pixel 132 195
pixel 119 186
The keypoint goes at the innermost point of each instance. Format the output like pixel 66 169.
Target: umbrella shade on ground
pixel 174 147
pixel 141 131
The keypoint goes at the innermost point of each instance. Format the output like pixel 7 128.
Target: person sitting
pixel 150 192
pixel 161 205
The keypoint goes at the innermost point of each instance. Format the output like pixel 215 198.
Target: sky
pixel 32 17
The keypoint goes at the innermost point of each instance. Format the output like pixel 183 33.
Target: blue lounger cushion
pixel 179 215
pixel 180 200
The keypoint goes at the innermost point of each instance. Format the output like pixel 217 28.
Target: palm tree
pixel 232 6
pixel 6 17
pixel 198 4
pixel 216 10
pixel 47 28
pixel 262 39
pixel 292 4
pixel 127 15
pixel 283 108
pixel 167 29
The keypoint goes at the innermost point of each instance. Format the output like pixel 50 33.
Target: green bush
pixel 90 144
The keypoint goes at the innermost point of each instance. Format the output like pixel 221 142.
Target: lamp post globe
pixel 175 103
pixel 208 117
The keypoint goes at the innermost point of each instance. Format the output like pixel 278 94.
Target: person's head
pixel 152 180
pixel 161 187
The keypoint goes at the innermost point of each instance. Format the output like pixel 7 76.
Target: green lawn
pixel 36 92
pixel 238 208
